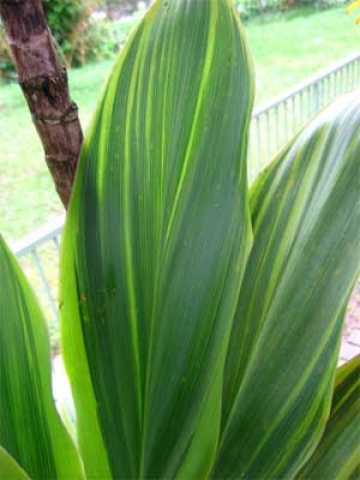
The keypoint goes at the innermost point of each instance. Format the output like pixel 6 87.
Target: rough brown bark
pixel 44 83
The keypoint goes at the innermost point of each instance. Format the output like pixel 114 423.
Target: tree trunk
pixel 44 83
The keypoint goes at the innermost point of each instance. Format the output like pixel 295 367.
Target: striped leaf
pixel 9 469
pixel 156 242
pixel 30 429
pixel 285 339
pixel 338 453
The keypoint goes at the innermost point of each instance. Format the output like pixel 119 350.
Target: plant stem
pixel 44 82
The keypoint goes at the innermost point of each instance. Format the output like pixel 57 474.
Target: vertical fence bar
pixel 277 127
pixel 45 283
pixel 301 98
pixel 338 87
pixel 329 86
pixel 324 86
pixel 342 77
pixel 285 124
pixel 268 133
pixel 258 136
pixel 309 103
pixel 327 89
pixel 293 114
pixel 322 92
pixel 316 97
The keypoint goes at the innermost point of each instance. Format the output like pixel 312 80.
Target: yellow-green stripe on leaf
pixel 30 429
pixel 156 240
pixel 287 330
pixel 338 453
pixel 9 468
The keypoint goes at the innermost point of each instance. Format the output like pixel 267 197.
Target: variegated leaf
pixel 338 453
pixel 30 429
pixel 156 242
pixel 286 335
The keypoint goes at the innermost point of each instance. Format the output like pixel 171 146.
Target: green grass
pixel 290 47
pixel 286 48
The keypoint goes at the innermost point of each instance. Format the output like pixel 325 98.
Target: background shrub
pixel 6 66
pixel 92 29
pixel 72 27
pixel 78 36
pixel 250 8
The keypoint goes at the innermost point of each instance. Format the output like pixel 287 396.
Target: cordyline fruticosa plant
pixel 201 321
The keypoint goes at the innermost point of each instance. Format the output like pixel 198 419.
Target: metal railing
pixel 275 122
pixel 271 127
pixel 38 254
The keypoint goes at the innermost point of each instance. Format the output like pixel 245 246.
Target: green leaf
pixel 156 240
pixel 9 469
pixel 286 335
pixel 202 449
pixel 30 429
pixel 338 453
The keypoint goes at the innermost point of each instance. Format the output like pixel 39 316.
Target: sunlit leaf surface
pixel 156 243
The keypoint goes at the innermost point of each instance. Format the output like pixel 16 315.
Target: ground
pixel 351 335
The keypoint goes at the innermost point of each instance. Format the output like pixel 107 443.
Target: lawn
pixel 286 48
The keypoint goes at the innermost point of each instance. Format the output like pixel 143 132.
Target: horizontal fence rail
pixel 38 254
pixel 275 122
pixel 272 125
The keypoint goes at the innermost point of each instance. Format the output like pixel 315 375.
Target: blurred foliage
pixel 81 34
pixel 6 66
pixel 78 36
pixel 117 8
pixel 76 32
pixel 250 8
pixel 68 21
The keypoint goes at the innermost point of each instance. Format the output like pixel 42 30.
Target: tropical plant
pixel 201 320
